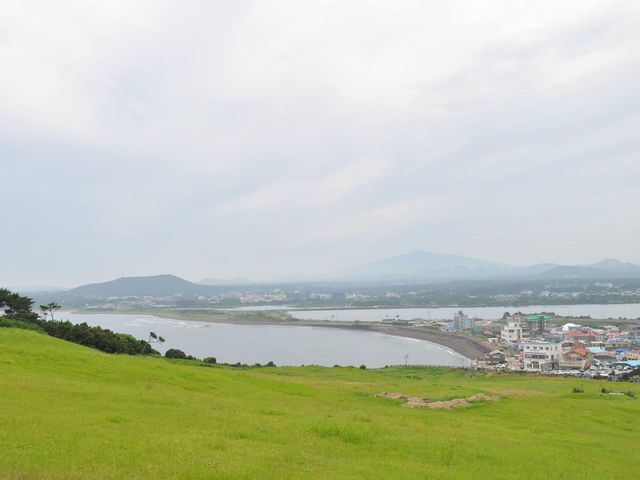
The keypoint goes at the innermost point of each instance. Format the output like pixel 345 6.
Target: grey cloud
pixel 213 139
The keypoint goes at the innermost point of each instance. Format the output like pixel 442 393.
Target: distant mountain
pixel 615 265
pixel 420 265
pixel 609 268
pixel 536 269
pixel 138 286
pixel 573 271
pixel 415 266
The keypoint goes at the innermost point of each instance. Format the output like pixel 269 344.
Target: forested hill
pixel 139 286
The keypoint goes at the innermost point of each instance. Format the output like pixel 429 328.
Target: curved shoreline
pixel 463 345
pixel 468 347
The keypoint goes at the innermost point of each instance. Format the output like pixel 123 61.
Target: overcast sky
pixel 269 138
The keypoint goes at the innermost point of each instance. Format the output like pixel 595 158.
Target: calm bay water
pixel 284 345
pixel 627 310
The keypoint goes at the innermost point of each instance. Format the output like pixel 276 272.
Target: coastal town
pixel 540 343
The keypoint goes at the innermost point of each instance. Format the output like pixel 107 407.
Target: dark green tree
pixel 13 303
pixel 175 353
pixel 153 338
pixel 49 309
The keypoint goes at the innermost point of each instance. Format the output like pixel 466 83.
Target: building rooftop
pixel 579 334
pixel 583 352
pixel 631 363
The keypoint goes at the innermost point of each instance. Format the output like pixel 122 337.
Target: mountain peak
pixel 421 264
pixel 613 264
pixel 610 262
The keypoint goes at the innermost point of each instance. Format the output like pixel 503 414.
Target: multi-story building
pixel 541 356
pixel 515 329
pixel 512 333
pixel 537 325
pixel 462 322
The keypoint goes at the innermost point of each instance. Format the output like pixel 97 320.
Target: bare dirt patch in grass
pixel 423 402
pixel 394 395
pixel 449 404
pixel 481 397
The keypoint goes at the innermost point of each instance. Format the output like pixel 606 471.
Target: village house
pixel 601 335
pixel 578 358
pixel 495 357
pixel 632 355
pixel 579 336
pixel 603 359
pixel 541 357
pixel 634 332
pixel 571 327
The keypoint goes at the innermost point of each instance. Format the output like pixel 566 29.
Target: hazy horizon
pixel 269 139
pixel 332 276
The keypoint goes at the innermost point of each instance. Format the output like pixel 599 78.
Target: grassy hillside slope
pixel 71 412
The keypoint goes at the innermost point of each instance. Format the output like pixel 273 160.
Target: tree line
pixel 18 310
pixel 18 313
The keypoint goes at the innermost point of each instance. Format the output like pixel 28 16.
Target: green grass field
pixel 71 412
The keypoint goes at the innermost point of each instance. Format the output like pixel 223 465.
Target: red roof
pixel 583 352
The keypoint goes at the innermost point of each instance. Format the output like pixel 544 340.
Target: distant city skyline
pixel 271 139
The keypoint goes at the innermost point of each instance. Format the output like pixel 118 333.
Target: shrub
pixel 578 390
pixel 604 390
pixel 18 310
pixel 363 367
pixel 270 364
pixel 97 337
pixel 9 323
pixel 630 394
pixel 175 353
pixel 211 360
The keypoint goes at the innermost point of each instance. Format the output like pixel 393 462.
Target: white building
pixel 541 356
pixel 512 332
pixel 515 330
